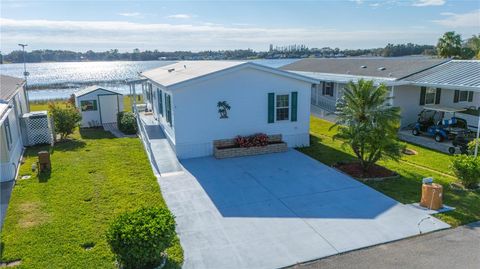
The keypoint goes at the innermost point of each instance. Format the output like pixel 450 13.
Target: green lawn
pixel 94 178
pixel 407 188
pixel 43 105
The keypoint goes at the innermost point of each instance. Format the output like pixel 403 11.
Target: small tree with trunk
pixel 65 118
pixel 368 124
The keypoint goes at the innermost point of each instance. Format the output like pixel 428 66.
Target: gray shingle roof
pixel 9 86
pixel 455 74
pixel 395 68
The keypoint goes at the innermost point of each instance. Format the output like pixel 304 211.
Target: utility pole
pixel 25 74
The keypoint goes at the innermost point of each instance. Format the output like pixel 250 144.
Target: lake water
pixel 59 80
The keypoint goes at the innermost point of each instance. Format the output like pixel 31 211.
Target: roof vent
pixel 363 66
pixel 381 68
pixel 390 74
pixel 171 70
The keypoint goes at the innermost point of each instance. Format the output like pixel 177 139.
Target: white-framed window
pixel 430 95
pixel 88 105
pixel 282 107
pixel 463 96
pixel 328 88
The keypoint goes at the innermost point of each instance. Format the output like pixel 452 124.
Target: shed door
pixel 108 108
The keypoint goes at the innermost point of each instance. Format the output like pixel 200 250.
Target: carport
pixel 276 210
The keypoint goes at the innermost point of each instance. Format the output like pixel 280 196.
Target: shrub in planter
pixel 127 123
pixel 139 238
pixel 256 140
pixel 467 169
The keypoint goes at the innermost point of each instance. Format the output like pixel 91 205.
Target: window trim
pixel 288 107
pixel 8 133
pixel 331 91
pixel 94 104
pixel 460 96
pixel 434 95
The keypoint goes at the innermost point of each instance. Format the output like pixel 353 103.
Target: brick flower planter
pixel 226 148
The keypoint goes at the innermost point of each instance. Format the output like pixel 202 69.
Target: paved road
pixel 454 248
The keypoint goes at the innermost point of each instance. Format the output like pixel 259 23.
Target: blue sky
pixel 201 25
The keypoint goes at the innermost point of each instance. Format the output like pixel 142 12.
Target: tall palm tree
pixel 449 45
pixel 368 123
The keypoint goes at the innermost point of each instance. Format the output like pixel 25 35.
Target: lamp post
pixel 25 73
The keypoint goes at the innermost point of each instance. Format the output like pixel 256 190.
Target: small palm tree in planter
pixel 368 124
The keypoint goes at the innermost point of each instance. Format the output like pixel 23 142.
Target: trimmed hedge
pixel 126 122
pixel 139 238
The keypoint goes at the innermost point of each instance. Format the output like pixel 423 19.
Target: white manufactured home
pixel 13 104
pixel 198 102
pixel 98 105
pixel 413 82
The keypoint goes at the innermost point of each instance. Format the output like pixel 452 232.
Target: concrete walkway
pixel 424 141
pixel 162 156
pixel 455 248
pixel 112 128
pixel 276 210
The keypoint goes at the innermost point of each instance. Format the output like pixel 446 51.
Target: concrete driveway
pixel 277 210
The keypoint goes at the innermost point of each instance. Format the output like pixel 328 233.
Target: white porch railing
pixel 325 103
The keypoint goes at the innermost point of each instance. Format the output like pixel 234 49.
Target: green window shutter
pixel 423 91
pixel 437 96
pixel 470 96
pixel 271 107
pixel 94 104
pixel 294 106
pixel 456 95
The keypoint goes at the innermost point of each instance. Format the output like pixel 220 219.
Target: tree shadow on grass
pixel 324 153
pixel 95 133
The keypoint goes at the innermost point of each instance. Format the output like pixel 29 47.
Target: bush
pixel 467 169
pixel 65 119
pixel 127 123
pixel 256 140
pixel 471 145
pixel 139 238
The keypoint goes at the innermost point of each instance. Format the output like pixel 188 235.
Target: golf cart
pixel 461 142
pixel 432 122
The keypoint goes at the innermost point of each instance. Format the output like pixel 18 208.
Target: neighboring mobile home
pixel 202 101
pixel 413 82
pixel 13 103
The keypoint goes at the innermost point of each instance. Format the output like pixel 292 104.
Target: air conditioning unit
pixel 36 128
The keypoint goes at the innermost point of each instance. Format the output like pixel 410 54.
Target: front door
pixel 108 108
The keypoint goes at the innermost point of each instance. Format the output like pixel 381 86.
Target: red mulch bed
pixel 355 170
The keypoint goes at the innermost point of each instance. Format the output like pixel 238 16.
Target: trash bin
pixel 432 196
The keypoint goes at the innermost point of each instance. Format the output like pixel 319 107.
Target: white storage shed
pixel 98 105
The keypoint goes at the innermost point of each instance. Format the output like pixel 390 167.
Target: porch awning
pixel 455 75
